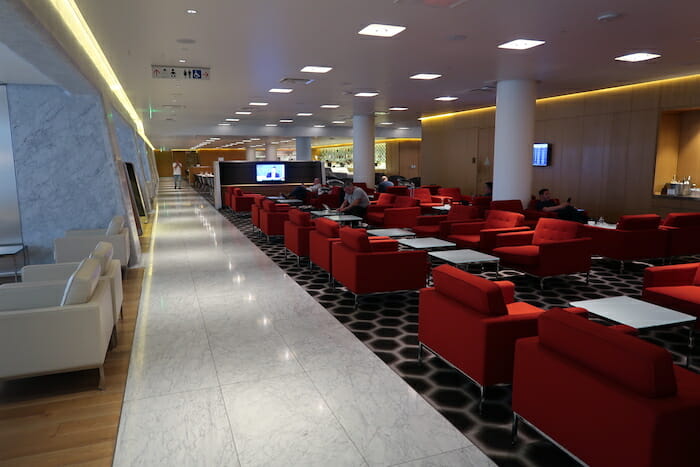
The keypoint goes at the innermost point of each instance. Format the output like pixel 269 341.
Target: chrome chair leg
pixel 514 429
pixel 420 352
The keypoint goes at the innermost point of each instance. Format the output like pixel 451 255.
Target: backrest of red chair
pixel 397 190
pixel 682 219
pixel 269 205
pixel 386 199
pixel 639 222
pixel 481 201
pixel 532 204
pixel 548 230
pixel 237 192
pixel 637 365
pixel 423 194
pixel 362 185
pixel 696 281
pixel 496 219
pixel 259 201
pixel 460 212
pixel 477 293
pixel 355 239
pixel 454 193
pixel 327 227
pixel 432 188
pixel 336 190
pixel 514 205
pixel 300 218
pixel 405 202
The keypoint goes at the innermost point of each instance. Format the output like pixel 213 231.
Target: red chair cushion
pixel 525 254
pixel 385 199
pixel 549 230
pixel 327 227
pixel 237 192
pixel 405 202
pixel 300 217
pixel 633 363
pixel 454 193
pixel 696 281
pixel 423 194
pixel 355 239
pixel 497 219
pixel 683 298
pixel 465 240
pixel 460 212
pixel 639 222
pixel 479 294
pixel 522 308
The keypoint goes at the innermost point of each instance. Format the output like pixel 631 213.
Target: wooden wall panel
pixel 667 149
pixel 164 163
pixel 689 146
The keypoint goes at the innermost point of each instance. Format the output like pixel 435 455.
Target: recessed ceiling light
pixel 243 113
pixel 233 119
pixel 386 123
pixel 637 57
pixel 286 120
pixel 338 122
pixel 254 139
pixel 224 124
pixel 398 108
pixel 258 104
pixel 214 139
pixel 403 128
pixel 366 94
pixel 446 98
pixel 191 12
pixel 381 113
pixel 270 124
pixel 520 44
pixel 381 30
pixel 330 106
pixel 281 90
pixel 316 69
pixel 425 76
pixel 304 114
pixel 274 142
pixel 182 60
pixel 319 126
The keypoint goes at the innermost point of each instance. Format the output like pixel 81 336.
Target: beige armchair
pixel 77 244
pixel 52 327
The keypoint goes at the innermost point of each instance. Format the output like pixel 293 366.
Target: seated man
pixel 300 193
pixel 384 184
pixel 565 211
pixel 355 202
pixel 314 189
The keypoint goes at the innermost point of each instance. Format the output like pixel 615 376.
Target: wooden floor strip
pixel 64 419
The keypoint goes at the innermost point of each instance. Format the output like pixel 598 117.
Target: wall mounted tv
pixel 541 154
pixel 269 173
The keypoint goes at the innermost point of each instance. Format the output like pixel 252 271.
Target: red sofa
pixel 676 287
pixel 482 235
pixel 555 247
pixel 683 233
pixel 439 226
pixel 402 213
pixel 608 398
pixel 272 217
pixel 472 323
pixel 296 233
pixel 427 200
pixel 362 269
pixel 636 237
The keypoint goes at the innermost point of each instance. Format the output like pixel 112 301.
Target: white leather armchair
pixel 49 327
pixel 77 244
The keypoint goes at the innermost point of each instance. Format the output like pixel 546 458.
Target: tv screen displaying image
pixel 269 173
pixel 541 153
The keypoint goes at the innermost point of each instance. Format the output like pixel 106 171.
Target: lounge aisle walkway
pixel 234 364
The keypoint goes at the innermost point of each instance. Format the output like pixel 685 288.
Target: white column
pixel 249 153
pixel 270 150
pixel 515 132
pixel 363 148
pixel 303 148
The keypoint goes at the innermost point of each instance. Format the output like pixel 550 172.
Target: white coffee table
pixel 393 233
pixel 324 213
pixel 443 208
pixel 466 257
pixel 638 314
pixel 344 218
pixel 426 243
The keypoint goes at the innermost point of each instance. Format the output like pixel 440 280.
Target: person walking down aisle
pixel 177 174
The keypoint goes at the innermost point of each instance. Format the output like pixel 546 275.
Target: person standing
pixel 177 174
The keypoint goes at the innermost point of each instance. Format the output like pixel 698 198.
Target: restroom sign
pixel 179 72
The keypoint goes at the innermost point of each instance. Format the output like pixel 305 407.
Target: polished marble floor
pixel 233 363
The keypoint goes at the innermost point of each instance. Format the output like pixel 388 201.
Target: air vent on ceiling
pixel 296 81
pixel 172 106
pixel 169 119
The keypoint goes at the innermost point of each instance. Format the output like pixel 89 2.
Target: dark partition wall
pixel 244 172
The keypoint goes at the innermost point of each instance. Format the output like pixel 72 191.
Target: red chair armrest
pixel 507 290
pixel 468 228
pixel 430 220
pixel 664 276
pixel 384 244
pixel 514 238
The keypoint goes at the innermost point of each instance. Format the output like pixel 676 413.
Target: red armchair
pixel 608 398
pixel 369 191
pixel 385 200
pixel 472 323
pixel 683 233
pixel 403 213
pixel 330 199
pixel 427 201
pixel 296 233
pixel 272 218
pixel 398 190
pixel 636 237
pixel 481 202
pixel 455 195
pixel 362 269
pixel 555 247
pixel 255 211
pixel 241 202
pixel 439 226
pixel 482 235
pixel 676 287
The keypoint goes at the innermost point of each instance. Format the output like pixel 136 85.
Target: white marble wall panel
pixel 66 173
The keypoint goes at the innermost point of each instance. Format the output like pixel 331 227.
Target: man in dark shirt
pixel 565 211
pixel 384 184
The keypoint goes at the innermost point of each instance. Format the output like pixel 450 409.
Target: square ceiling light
pixel 304 114
pixel 381 30
pixel 270 124
pixel 398 108
pixel 520 44
pixel 338 122
pixel 258 104
pixel 233 119
pixel 446 98
pixel 330 106
pixel 243 112
pixel 281 90
pixel 637 57
pixel 319 126
pixel 425 76
pixel 286 120
pixel 316 69
pixel 366 94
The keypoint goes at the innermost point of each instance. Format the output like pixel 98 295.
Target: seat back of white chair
pixel 115 225
pixel 103 252
pixel 82 282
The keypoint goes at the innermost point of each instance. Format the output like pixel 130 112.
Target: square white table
pixel 12 250
pixel 344 218
pixel 466 257
pixel 324 213
pixel 288 201
pixel 444 208
pixel 393 233
pixel 426 243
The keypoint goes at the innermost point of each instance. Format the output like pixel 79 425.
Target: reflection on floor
pixel 233 363
pixel 387 324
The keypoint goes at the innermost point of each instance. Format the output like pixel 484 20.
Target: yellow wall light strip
pixel 76 24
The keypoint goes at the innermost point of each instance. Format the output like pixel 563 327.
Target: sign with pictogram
pixel 179 72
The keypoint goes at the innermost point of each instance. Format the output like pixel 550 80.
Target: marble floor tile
pixel 285 422
pixel 466 457
pixel 169 314
pixel 185 429
pixel 169 283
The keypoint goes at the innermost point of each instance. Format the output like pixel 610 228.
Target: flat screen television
pixel 269 173
pixel 541 154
